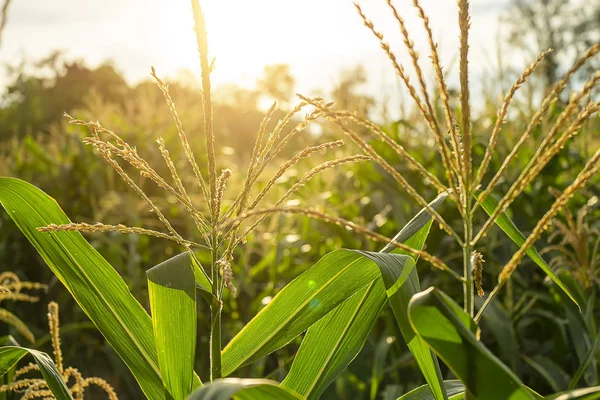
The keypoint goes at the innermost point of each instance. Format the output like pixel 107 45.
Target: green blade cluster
pixel 333 342
pixel 93 282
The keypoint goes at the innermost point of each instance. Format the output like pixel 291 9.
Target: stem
pixel 215 317
pixel 215 340
pixel 467 267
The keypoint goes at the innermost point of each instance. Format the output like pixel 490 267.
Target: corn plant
pixel 337 301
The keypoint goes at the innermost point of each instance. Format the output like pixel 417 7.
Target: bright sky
pixel 317 38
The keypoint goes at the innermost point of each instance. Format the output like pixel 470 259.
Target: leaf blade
pixel 440 323
pixel 331 344
pixel 454 389
pixel 305 300
pixel 10 355
pixel 172 291
pixel 243 389
pixel 95 285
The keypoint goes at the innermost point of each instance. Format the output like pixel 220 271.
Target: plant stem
pixel 215 340
pixel 215 316
pixel 467 267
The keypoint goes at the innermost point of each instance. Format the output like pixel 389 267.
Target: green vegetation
pixel 410 270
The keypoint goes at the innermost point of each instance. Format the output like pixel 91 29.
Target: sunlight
pixel 242 42
pixel 423 206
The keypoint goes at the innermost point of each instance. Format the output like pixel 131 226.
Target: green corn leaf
pixel 243 389
pixel 454 389
pixel 581 328
pixel 202 281
pixel 323 355
pixel 585 363
pixel 490 204
pixel 8 374
pixel 331 344
pixel 497 322
pixel 10 355
pixel 95 285
pixel 305 300
pixel 172 291
pixel 552 373
pixel 440 322
pixel 591 393
pixel 399 291
pixel 308 378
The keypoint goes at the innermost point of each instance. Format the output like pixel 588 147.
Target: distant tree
pixel 347 95
pixel 39 93
pixel 569 27
pixel 277 83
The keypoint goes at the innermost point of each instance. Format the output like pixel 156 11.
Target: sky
pixel 317 38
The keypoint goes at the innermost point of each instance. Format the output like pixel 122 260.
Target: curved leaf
pixel 585 363
pixel 490 204
pixel 592 393
pixel 243 389
pixel 454 389
pixel 331 344
pixel 498 323
pixel 581 328
pixel 553 374
pixel 172 291
pixel 334 341
pixel 95 285
pixel 305 300
pixel 441 324
pixel 10 355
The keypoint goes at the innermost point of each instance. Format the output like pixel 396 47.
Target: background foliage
pixel 533 330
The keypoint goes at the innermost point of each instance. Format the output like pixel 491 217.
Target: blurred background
pixel 92 60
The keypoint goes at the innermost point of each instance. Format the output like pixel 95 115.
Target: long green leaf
pixel 335 340
pixel 8 375
pixel 591 393
pixel 441 324
pixel 310 381
pixel 324 355
pixel 305 300
pixel 589 358
pixel 581 328
pixel 454 389
pixel 552 373
pixel 399 292
pixel 95 285
pixel 243 389
pixel 10 355
pixel 490 204
pixel 498 323
pixel 172 291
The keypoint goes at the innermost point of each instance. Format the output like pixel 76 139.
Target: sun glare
pixel 242 42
